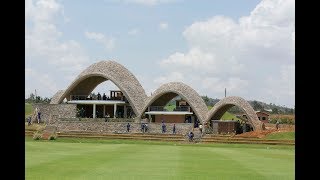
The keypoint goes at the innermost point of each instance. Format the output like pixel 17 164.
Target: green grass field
pixel 124 159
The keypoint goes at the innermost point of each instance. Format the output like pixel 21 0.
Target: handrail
pixel 161 108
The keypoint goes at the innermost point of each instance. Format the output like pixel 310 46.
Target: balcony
pixel 161 108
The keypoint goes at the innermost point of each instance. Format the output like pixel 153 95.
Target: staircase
pixel 135 136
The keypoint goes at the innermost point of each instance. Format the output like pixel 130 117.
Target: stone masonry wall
pixel 57 110
pixel 118 127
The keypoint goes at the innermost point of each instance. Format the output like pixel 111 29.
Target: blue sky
pixel 245 46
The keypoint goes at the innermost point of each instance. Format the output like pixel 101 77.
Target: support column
pixel 114 110
pixel 125 111
pixel 94 111
pixel 104 110
pixel 149 114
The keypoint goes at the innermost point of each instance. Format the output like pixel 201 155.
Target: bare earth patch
pixel 261 133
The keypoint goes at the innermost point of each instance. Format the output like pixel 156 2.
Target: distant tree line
pixel 256 105
pixel 37 99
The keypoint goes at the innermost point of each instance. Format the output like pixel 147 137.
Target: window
pixel 263 118
pixel 259 118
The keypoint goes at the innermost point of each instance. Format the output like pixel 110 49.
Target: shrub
pixel 52 137
pixel 37 136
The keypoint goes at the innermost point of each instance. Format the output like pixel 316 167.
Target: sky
pixel 247 46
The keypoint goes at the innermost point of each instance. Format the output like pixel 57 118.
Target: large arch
pixel 170 90
pixel 55 98
pixel 223 105
pixel 102 71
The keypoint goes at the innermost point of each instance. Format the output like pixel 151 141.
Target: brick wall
pixel 170 118
pixel 116 127
pixel 58 110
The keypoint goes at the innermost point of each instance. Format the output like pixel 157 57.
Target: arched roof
pixel 101 71
pixel 223 105
pixel 170 90
pixel 55 98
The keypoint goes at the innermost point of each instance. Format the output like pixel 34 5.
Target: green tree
pixel 275 110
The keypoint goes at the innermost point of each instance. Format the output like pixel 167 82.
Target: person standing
pixel 128 127
pixel 174 129
pixel 39 116
pixel 163 127
pixel 200 128
pixel 277 124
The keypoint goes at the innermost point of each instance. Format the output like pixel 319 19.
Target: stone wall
pixel 57 110
pixel 281 126
pixel 117 127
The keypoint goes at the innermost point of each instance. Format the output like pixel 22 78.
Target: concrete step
pixel 121 137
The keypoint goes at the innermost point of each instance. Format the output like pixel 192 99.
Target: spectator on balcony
pixel 104 97
pixel 99 96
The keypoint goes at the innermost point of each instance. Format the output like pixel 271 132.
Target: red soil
pixel 261 133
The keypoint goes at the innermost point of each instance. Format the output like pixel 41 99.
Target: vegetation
pixel 141 160
pixel 28 109
pixel 37 99
pixel 281 135
pixel 229 116
pixel 256 105
pixel 283 119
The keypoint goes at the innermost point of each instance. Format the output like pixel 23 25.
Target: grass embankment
pixel 281 135
pixel 117 159
pixel 28 109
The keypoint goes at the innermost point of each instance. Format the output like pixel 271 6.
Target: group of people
pixel 37 113
pixel 104 97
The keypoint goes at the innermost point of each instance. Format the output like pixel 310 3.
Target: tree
pixel 256 106
pixel 206 99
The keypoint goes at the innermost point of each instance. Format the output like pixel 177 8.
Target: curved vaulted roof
pixel 170 90
pixel 223 105
pixel 102 71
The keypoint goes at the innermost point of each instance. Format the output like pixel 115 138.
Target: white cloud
pixel 172 77
pixel 47 56
pixel 282 85
pixel 47 83
pixel 148 2
pixel 107 42
pixel 134 31
pixel 197 59
pixel 239 54
pixel 163 26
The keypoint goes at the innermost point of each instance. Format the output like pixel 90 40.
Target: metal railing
pixel 84 97
pixel 162 108
pixel 182 108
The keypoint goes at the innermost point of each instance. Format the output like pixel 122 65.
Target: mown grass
pixel 76 158
pixel 281 135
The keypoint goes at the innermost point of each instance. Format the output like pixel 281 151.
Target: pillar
pixel 149 115
pixel 114 110
pixel 104 110
pixel 125 111
pixel 94 111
